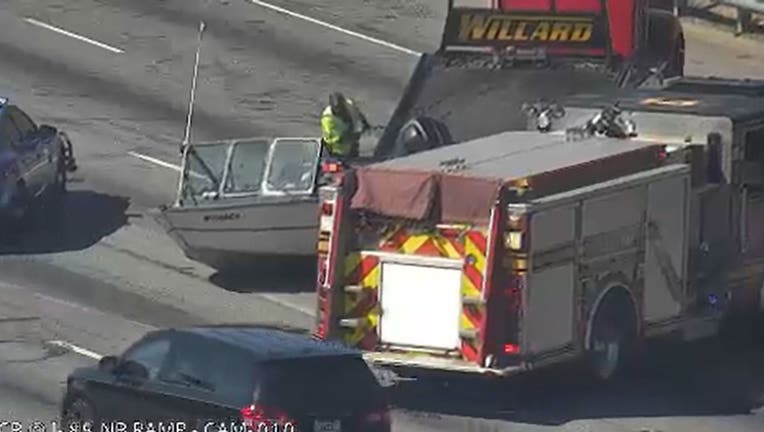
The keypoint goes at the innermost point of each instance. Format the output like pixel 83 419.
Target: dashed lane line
pixel 336 28
pixel 155 161
pixel 76 349
pixel 73 35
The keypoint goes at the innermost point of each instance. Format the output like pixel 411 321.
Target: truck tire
pixel 613 332
pixel 666 42
pixel 606 352
pixel 433 134
pixel 675 67
pixel 50 210
pixel 59 187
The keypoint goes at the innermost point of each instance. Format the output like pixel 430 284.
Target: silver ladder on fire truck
pixel 456 258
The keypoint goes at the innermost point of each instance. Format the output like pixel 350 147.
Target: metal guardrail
pixel 744 10
pixel 754 5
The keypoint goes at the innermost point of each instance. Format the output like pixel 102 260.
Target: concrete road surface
pixel 115 75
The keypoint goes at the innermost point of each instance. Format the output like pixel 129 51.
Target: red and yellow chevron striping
pixel 362 271
pixel 472 286
pixel 429 244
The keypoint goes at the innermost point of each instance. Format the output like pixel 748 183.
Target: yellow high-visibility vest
pixel 334 132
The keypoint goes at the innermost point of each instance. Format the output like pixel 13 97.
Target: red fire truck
pixel 525 249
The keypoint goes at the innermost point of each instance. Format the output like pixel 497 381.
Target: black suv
pixel 245 378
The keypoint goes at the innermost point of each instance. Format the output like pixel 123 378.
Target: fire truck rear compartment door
pixel 420 305
pixel 550 303
pixel 666 248
pixel 550 309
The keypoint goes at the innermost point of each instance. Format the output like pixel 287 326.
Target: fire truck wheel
pixel 606 352
pixel 612 335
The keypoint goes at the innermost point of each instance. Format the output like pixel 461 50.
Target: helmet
pixel 336 100
pixel 338 103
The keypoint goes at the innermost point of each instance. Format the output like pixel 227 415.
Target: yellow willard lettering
pixel 582 32
pixel 560 32
pixel 520 32
pixel 474 27
pixel 493 29
pixel 541 32
pixel 504 33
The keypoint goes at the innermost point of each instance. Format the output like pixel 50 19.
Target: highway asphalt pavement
pixel 115 74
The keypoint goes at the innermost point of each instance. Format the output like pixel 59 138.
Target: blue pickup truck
pixel 34 162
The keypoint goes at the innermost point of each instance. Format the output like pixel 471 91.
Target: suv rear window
pixel 320 383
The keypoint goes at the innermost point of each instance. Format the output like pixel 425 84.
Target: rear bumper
pixel 423 361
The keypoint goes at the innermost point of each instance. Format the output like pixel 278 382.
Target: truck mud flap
pixel 473 103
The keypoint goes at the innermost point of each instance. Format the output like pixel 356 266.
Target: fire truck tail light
pixel 516 222
pixel 513 240
pixel 327 209
pixel 519 265
pixel 322 274
pixel 326 214
pixel 510 349
pixel 331 167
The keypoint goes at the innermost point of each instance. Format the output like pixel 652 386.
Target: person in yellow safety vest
pixel 342 125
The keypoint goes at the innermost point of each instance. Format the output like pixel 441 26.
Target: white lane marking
pixel 76 349
pixel 87 309
pixel 289 305
pixel 164 164
pixel 155 161
pixel 335 28
pixel 73 35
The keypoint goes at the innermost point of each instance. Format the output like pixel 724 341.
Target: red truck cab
pixel 622 30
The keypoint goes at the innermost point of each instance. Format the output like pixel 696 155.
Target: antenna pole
pixel 187 135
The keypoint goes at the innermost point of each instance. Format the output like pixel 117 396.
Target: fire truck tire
pixel 612 335
pixel 606 352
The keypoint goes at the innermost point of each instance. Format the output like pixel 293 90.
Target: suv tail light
pixel 256 416
pixel 381 416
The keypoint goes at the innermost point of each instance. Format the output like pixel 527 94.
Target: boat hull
pixel 226 235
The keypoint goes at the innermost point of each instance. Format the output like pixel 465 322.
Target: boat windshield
pixel 251 167
pixel 247 167
pixel 204 168
pixel 293 165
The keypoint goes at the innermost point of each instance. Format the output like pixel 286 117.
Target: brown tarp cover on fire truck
pixel 417 187
pixel 419 195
